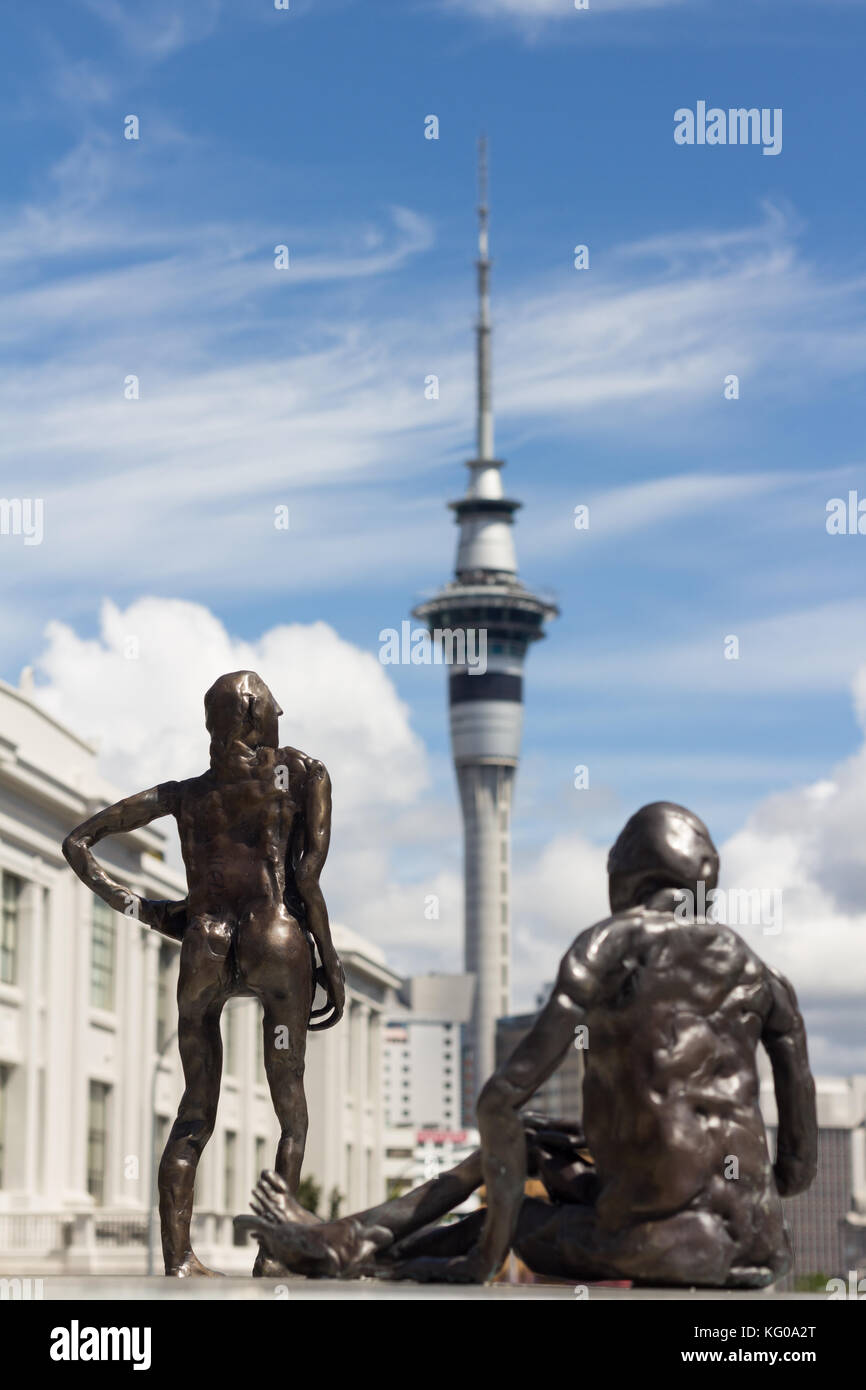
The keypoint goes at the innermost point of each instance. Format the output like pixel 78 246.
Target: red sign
pixel 441 1136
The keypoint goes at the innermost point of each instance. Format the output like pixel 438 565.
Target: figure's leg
pixel 432 1200
pixel 569 1242
pixel 349 1247
pixel 202 991
pixel 284 1028
pixel 274 960
pixel 442 1242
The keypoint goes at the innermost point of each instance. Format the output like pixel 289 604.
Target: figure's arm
pixel 314 852
pixel 130 814
pixel 784 1037
pixel 503 1142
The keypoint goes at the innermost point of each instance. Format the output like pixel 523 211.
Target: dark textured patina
pixel 680 1188
pixel 254 833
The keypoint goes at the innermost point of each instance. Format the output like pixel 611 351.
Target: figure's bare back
pixel 237 832
pixel 671 1086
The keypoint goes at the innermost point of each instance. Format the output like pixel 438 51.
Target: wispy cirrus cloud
pixel 533 18
pixel 241 364
pixel 160 28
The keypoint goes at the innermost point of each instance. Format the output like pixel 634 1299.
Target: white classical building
pixel 422 1081
pixel 89 1073
pixel 422 1061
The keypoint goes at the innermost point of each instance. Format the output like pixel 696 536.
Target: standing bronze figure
pixel 254 834
pixel 677 1186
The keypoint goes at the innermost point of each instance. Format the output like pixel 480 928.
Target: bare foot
pixel 273 1200
pixel 294 1245
pixel 293 1239
pixel 191 1268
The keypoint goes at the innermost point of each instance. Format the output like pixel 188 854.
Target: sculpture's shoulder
pixel 608 940
pixel 189 788
pixel 303 766
pixel 599 954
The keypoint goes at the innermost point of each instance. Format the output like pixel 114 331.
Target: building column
pixel 376 1120
pixel 31 924
pixel 361 1058
pixel 77 1092
pixel 59 1007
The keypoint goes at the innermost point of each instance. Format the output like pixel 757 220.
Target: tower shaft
pixel 485 798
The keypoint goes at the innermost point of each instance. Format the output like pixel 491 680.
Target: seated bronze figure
pixel 679 1188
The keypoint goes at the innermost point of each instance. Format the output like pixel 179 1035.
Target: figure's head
pixel 662 846
pixel 241 713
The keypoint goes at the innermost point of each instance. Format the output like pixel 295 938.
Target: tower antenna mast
pixel 484 440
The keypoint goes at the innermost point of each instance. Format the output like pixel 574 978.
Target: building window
pixel 503 851
pixel 505 977
pixel 5 1073
pixel 13 887
pixel 162 1129
pixel 230 1042
pixel 261 1156
pixel 164 993
pixel 97 1130
pixel 103 945
pixel 503 883
pixel 229 1166
pixel 46 939
pixel 503 914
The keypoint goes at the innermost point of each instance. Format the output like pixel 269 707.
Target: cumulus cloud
pixel 806 844
pixel 556 895
pixel 137 689
pixel 809 844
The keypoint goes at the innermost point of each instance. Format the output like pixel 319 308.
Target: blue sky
pixel 305 387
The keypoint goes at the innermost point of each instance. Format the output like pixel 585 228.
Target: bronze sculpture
pixel 679 1188
pixel 254 833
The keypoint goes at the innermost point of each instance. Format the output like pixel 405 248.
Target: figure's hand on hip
pixel 168 918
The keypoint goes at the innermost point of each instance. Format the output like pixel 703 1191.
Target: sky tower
pixel 486 709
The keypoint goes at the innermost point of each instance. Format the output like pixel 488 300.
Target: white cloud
pixel 340 404
pixel 146 715
pixel 159 28
pixel 807 843
pixel 146 711
pixel 526 12
pixel 394 847
pixel 659 324
pixel 812 650
pixel 556 895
